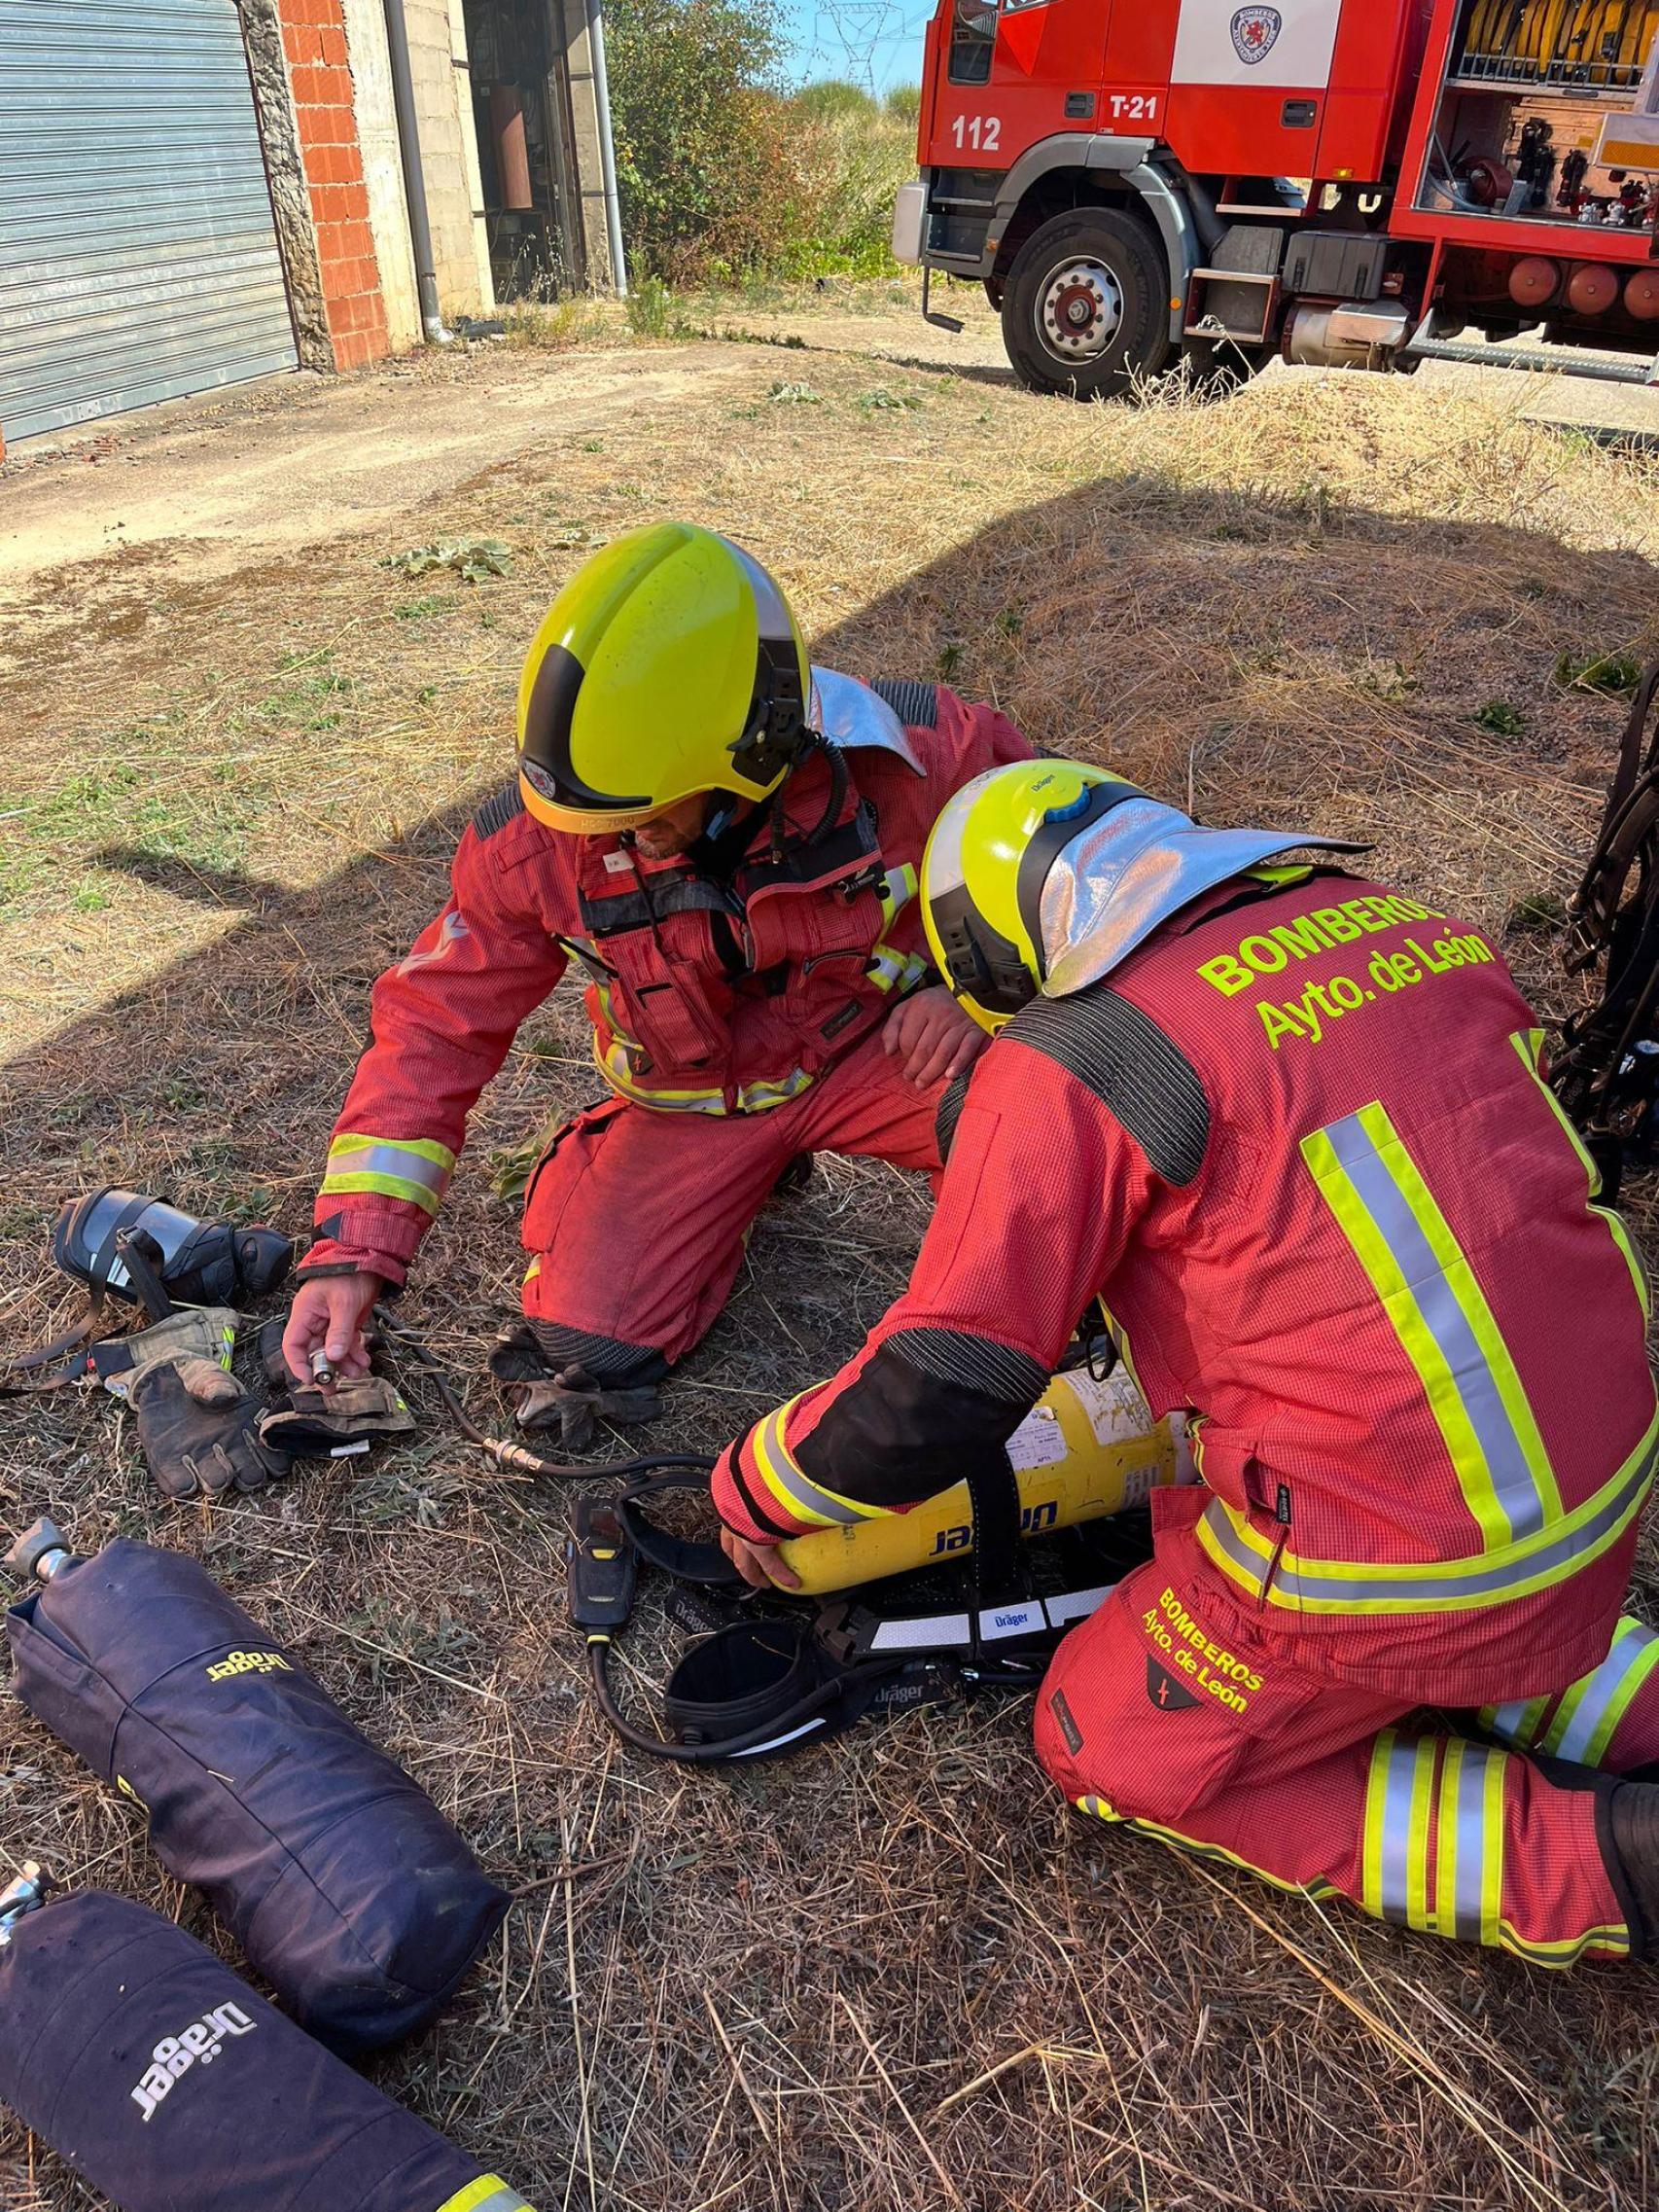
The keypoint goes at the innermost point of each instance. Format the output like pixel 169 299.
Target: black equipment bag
pixel 167 2085
pixel 343 1882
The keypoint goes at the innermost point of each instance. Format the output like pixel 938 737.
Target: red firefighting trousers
pixel 638 1218
pixel 1164 1712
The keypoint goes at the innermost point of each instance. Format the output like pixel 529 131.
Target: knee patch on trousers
pixel 607 1359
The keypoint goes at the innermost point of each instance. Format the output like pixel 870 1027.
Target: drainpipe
pixel 607 148
pixel 414 179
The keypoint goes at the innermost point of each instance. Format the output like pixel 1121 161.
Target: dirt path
pixel 304 459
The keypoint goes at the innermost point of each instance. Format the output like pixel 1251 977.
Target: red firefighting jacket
pixel 1300 1146
pixel 707 995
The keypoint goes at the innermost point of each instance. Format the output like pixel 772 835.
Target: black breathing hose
pixel 505 1453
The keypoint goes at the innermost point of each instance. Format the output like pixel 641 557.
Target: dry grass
pixel 896 1972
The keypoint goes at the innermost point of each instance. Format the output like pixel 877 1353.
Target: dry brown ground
pixel 896 1971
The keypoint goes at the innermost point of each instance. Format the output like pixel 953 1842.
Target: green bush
pixel 703 162
pixel 725 175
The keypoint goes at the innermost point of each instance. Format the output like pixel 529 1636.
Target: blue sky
pixel 874 42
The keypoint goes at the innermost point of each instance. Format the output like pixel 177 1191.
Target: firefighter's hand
pixel 757 1563
pixel 327 1316
pixel 933 1038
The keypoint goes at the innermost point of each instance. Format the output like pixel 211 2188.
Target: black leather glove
pixel 197 1426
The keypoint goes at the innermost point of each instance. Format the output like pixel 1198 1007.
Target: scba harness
pixel 771 1674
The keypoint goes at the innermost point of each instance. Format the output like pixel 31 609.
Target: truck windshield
pixel 973 35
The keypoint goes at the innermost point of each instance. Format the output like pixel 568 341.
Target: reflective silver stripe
pixel 1395 1855
pixel 1475 1583
pixel 779 1471
pixel 1510 1721
pixel 945 871
pixel 1598 1690
pixel 1391 1211
pixel 388 1158
pixel 502 2200
pixel 1468 1887
pixel 1029 1617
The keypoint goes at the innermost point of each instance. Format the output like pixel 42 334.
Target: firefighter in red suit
pixel 726 842
pixel 1292 1130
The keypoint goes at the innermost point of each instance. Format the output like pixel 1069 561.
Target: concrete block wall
pixel 324 107
pixel 449 156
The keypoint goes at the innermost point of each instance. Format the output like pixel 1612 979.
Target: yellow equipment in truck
pixel 1087 1447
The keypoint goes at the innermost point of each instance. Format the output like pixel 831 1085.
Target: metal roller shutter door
pixel 138 255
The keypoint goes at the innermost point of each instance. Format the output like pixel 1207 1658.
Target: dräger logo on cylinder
pixel 175 2055
pixel 248 1663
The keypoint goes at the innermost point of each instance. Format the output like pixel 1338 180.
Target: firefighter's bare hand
pixel 931 1037
pixel 327 1316
pixel 757 1563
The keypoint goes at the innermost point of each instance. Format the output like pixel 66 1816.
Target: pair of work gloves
pixel 203 1435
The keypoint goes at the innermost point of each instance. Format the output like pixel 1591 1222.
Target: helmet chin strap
pixel 813 743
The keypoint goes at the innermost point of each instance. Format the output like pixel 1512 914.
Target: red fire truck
pixel 1351 183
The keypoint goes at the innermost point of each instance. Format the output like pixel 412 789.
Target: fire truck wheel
pixel 1085 311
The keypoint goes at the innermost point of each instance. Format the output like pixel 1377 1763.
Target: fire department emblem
pixel 1255 32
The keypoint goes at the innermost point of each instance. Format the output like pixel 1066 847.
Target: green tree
pixel 703 139
pixel 903 103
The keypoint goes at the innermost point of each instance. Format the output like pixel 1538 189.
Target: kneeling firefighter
pixel 1292 1130
pixel 726 841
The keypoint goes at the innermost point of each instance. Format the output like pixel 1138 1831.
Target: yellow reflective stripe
pixel 1320 1888
pixel 489 2193
pixel 615 1066
pixel 1537 1562
pixel 796 1492
pixel 1445 1920
pixel 1529 1044
pixel 1491 1847
pixel 1417 1912
pixel 898 888
pixel 1376 1815
pixel 1515 1723
pixel 415 1170
pixel 387 1187
pixel 1440 1315
pixel 1590 1710
pixel 761 1097
pixel 1613 1940
pixel 620 1079
pixel 1120 1336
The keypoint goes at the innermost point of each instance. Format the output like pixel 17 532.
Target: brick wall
pixel 319 76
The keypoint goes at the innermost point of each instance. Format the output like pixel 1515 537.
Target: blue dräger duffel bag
pixel 346 1886
pixel 167 2085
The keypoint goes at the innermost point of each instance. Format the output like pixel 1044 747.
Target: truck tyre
pixel 1086 307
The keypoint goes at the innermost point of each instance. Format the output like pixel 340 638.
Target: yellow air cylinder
pixel 1087 1449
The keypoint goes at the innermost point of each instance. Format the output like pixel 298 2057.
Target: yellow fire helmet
pixel 983 872
pixel 670 663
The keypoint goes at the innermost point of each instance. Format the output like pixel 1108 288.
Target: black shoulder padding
pixel 1144 1077
pixel 495 813
pixel 915 703
pixel 950 1111
pixel 899 1432
pixel 973 1362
